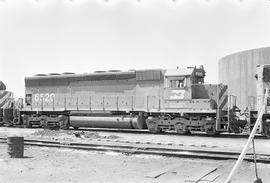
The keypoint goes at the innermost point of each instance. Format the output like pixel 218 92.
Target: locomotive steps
pixel 149 149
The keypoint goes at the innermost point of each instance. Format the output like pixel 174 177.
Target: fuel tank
pixel 124 122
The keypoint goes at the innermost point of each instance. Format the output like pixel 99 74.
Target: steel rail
pixel 200 134
pixel 135 149
pixel 171 133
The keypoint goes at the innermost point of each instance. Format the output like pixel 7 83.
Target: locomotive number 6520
pixel 46 97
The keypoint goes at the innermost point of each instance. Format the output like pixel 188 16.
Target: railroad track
pixel 134 149
pixel 145 131
pixel 135 131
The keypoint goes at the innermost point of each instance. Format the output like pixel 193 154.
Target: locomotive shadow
pixel 221 135
pixel 26 157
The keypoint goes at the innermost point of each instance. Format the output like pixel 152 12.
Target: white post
pixel 251 136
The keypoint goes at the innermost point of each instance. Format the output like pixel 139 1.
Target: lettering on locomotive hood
pixel 199 73
pixel 178 94
pixel 46 97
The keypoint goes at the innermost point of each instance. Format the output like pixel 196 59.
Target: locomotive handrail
pixel 132 105
pixel 90 103
pixel 42 104
pixel 104 103
pixel 117 107
pixel 65 103
pixel 251 137
pixel 53 104
pixel 147 103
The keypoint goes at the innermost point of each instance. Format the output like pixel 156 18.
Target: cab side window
pixel 28 99
pixel 180 84
pixel 177 84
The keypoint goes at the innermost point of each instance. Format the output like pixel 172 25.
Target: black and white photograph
pixel 129 91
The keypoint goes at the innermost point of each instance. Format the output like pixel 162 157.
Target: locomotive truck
pixel 157 99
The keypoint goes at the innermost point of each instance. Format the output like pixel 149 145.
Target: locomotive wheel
pixel 54 128
pixel 182 132
pixel 10 123
pixel 210 130
pixel 28 124
pixel 64 127
pixel 181 129
pixel 43 121
pixel 152 125
pixel 63 122
pixel 155 130
pixel 15 121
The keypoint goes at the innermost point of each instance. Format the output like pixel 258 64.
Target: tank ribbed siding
pixel 238 72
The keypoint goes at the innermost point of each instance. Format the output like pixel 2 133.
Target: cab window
pixel 177 84
pixel 28 99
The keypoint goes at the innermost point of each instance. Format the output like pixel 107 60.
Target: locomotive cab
pixel 185 109
pixel 184 78
pixel 178 91
pixel 178 82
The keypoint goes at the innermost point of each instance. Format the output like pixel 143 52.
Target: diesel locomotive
pixel 155 99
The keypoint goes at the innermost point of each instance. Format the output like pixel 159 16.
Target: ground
pixel 64 165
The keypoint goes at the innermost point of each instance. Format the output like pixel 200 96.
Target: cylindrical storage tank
pixel 107 122
pixel 15 147
pixel 238 72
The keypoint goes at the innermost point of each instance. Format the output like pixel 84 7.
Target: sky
pixel 56 36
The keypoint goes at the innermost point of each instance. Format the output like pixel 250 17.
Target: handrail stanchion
pixel 251 137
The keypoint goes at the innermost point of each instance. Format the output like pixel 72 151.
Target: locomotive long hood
pixel 67 78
